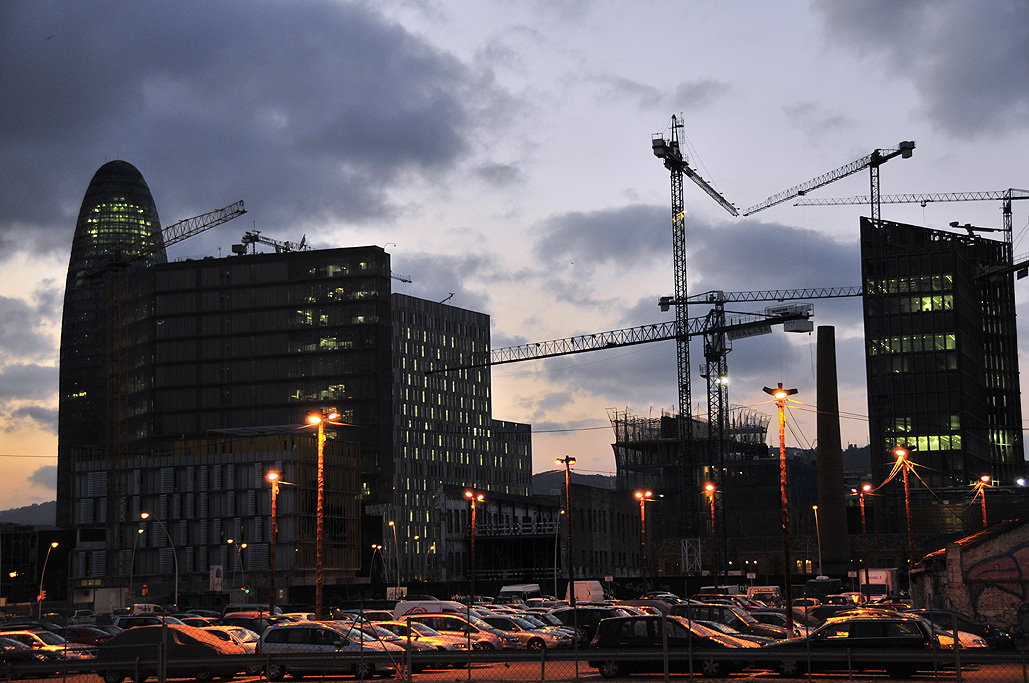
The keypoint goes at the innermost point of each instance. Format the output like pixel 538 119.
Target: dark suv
pixel 586 618
pixel 731 616
pixel 630 637
pixel 866 633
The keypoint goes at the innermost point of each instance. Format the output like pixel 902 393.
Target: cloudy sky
pixel 501 149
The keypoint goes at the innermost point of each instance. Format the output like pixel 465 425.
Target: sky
pixel 500 151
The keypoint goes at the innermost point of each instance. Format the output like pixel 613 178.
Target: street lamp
pixel 643 497
pixel 175 554
pixel 132 561
pixel 980 490
pixel 39 597
pixel 818 539
pixel 865 488
pixel 568 461
pixel 273 477
pixel 904 462
pixel 711 490
pixel 396 549
pixel 319 420
pixel 376 548
pixel 780 395
pixel 473 498
pixel 239 559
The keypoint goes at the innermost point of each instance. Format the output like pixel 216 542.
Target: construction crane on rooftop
pixel 1004 196
pixel 254 237
pixel 670 153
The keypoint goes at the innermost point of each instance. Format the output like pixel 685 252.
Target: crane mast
pixel 670 152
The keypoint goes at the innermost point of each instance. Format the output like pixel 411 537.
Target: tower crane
pixel 254 237
pixel 669 151
pixel 1004 196
pixel 872 162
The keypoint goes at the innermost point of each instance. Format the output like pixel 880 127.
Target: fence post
pixel 664 643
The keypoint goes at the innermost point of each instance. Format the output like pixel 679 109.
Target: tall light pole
pixel 865 488
pixel 568 461
pixel 396 549
pixel 904 462
pixel 39 597
pixel 557 545
pixel 473 498
pixel 273 477
pixel 132 562
pixel 319 420
pixel 175 553
pixel 711 490
pixel 980 486
pixel 780 395
pixel 818 539
pixel 376 548
pixel 643 497
pixel 239 559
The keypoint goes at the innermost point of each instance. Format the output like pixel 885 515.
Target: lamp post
pixel 319 420
pixel 980 486
pixel 273 477
pixel 818 539
pixel 425 571
pixel 643 497
pixel 904 462
pixel 132 561
pixel 239 560
pixel 473 498
pixel 865 488
pixel 711 490
pixel 175 554
pixel 39 597
pixel 376 548
pixel 396 549
pixel 780 395
pixel 568 461
pixel 557 544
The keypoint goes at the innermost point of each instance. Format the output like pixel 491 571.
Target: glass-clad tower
pixel 117 220
pixel 942 362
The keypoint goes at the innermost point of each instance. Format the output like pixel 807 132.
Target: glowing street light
pixel 568 461
pixel 273 477
pixel 319 420
pixel 132 562
pixel 473 498
pixel 41 595
pixel 904 462
pixel 710 490
pixel 865 488
pixel 175 553
pixel 780 395
pixel 396 549
pixel 818 538
pixel 643 497
pixel 239 559
pixel 980 490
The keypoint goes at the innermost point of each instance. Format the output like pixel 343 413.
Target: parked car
pixel 82 616
pixel 191 652
pixel 643 634
pixel 13 651
pixel 423 633
pixel 243 637
pixel 481 635
pixel 586 618
pixel 365 656
pixel 127 621
pixel 879 633
pixel 530 636
pixel 257 622
pixel 53 645
pixel 945 618
pixel 84 635
pixel 737 618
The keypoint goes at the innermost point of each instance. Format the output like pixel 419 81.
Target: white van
pixel 147 608
pixel 405 607
pixel 766 594
pixel 519 591
pixel 587 591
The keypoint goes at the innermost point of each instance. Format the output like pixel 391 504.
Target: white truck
pixel 881 582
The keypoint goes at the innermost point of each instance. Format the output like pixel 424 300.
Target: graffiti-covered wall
pixel 985 576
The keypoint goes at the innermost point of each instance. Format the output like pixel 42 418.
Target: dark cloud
pixel 43 416
pixel 27 382
pixel 45 477
pixel 968 60
pixel 21 334
pixel 629 236
pixel 691 96
pixel 308 110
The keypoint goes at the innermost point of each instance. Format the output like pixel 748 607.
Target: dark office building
pixel 942 362
pixel 117 215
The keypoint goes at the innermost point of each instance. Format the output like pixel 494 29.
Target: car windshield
pixel 524 623
pixel 533 620
pixel 424 629
pixel 51 638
